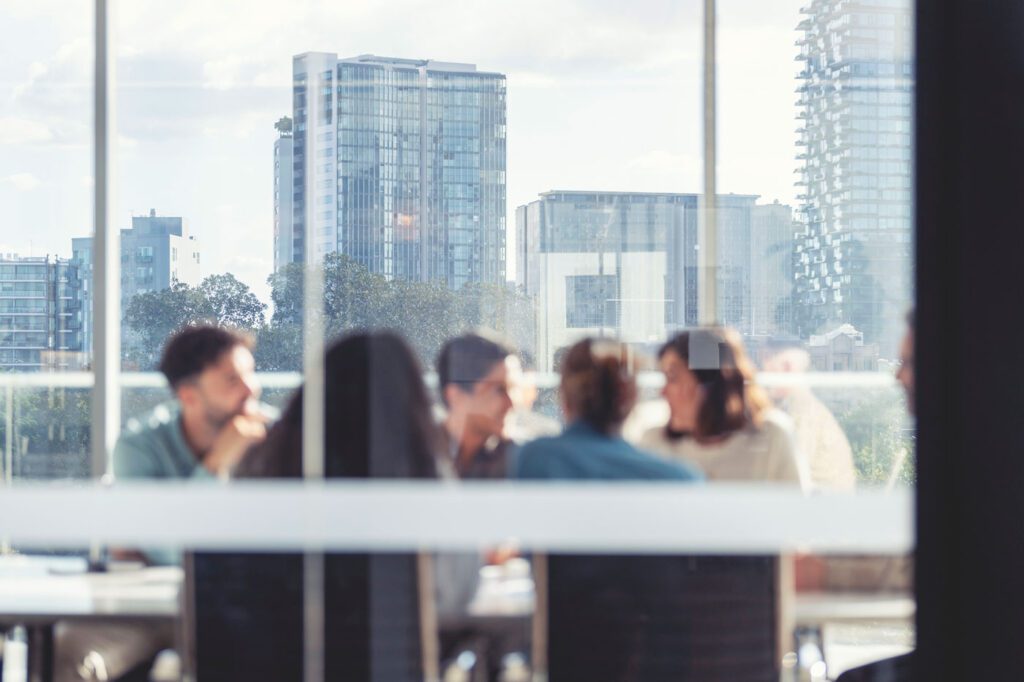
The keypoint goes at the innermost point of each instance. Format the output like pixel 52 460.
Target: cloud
pixel 15 131
pixel 23 182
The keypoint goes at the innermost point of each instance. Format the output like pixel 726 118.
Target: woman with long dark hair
pixel 379 609
pixel 377 417
pixel 720 420
pixel 598 390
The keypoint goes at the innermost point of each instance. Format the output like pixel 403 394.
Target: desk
pixel 37 592
pixel 838 631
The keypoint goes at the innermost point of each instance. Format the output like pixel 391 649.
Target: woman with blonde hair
pixel 597 390
pixel 720 420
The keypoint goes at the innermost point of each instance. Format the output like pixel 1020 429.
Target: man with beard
pixel 214 418
pixel 202 434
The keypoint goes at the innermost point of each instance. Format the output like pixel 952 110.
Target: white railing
pixel 654 380
pixel 375 515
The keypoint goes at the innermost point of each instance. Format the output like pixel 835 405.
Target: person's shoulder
pixel 160 418
pixel 776 424
pixel 667 468
pixel 541 446
pixel 534 459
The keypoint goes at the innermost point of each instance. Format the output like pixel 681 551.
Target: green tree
pixel 153 316
pixel 878 429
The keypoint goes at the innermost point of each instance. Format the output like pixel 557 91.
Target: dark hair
pixel 194 348
pixel 598 384
pixel 377 421
pixel 466 359
pixel 732 399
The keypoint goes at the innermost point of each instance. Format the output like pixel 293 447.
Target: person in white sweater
pixel 719 419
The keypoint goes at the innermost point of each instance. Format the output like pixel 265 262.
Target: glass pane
pixel 815 117
pixel 45 279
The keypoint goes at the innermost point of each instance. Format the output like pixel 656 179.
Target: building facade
pixel 284 183
pixel 854 256
pixel 625 265
pixel 155 252
pixel 407 166
pixel 771 270
pixel 40 314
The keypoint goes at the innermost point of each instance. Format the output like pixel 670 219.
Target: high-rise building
pixel 155 252
pixel 772 230
pixel 284 182
pixel 624 264
pixel 854 257
pixel 40 314
pixel 407 163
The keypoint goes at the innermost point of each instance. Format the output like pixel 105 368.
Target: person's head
pixel 212 372
pixel 522 382
pixel 377 417
pixel 472 375
pixel 598 384
pixel 905 374
pixel 785 357
pixel 709 383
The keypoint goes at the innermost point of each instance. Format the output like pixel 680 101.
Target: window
pixel 592 301
pixel 427 210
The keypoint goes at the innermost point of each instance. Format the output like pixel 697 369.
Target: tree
pixel 230 303
pixel 877 428
pixel 153 316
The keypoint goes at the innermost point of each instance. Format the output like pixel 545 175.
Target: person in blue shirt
pixel 598 390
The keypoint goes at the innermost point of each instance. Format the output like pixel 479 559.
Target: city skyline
pixel 205 113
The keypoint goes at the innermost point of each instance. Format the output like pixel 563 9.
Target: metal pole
pixel 707 286
pixel 312 394
pixel 106 351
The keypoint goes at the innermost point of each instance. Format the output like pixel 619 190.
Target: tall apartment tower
pixel 284 182
pixel 407 163
pixel 40 314
pixel 854 254
pixel 155 252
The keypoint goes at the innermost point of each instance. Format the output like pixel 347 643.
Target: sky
pixel 602 95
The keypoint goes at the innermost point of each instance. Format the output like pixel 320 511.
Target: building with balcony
pixel 155 252
pixel 40 314
pixel 854 252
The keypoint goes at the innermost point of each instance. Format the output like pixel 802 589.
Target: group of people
pixel 381 422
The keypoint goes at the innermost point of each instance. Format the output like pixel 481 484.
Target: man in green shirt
pixel 203 433
pixel 214 419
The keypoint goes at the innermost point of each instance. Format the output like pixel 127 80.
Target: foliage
pixel 879 432
pixel 426 313
pixel 153 316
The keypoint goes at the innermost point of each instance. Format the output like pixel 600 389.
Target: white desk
pixel 37 592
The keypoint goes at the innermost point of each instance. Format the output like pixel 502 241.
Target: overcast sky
pixel 602 95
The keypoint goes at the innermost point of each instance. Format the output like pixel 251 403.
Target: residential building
pixel 40 314
pixel 842 349
pixel 407 164
pixel 155 252
pixel 854 259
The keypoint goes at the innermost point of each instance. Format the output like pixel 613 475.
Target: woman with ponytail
pixel 720 420
pixel 598 390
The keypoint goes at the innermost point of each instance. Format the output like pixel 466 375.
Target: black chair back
pixel 246 615
pixel 689 618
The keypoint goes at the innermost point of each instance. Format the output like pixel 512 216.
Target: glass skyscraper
pixel 854 256
pixel 408 166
